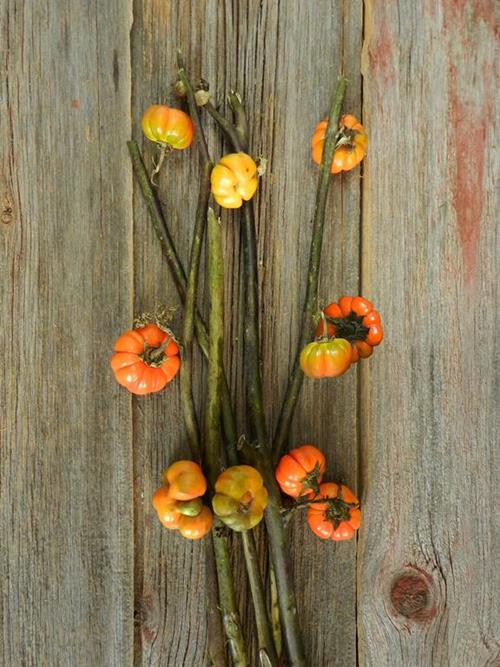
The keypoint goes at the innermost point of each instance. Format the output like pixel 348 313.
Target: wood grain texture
pixel 66 551
pixel 428 558
pixel 269 52
pixel 414 428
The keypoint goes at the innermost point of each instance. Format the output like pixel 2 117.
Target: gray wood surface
pixel 87 575
pixel 66 545
pixel 428 557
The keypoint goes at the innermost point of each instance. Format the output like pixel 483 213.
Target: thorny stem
pixel 213 453
pixel 188 406
pixel 278 540
pixel 295 381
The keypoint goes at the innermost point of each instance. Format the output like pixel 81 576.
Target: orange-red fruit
pixel 336 525
pixel 146 359
pixel 370 318
pixel 299 472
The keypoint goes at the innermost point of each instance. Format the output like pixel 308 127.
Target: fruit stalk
pixel 188 327
pixel 278 539
pixel 310 303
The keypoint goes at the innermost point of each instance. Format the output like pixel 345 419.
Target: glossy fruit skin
pixel 191 518
pixel 130 362
pixel 299 472
pixel 185 480
pixel 349 306
pixel 196 527
pixel 348 155
pixel 326 358
pixel 234 180
pixel 324 525
pixel 165 125
pixel 166 508
pixel 240 497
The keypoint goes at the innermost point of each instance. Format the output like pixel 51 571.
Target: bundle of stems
pixel 219 413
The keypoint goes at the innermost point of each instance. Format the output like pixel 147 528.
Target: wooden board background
pixel 86 575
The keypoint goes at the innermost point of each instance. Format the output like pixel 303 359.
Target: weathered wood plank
pixel 66 552
pixel 270 52
pixel 428 562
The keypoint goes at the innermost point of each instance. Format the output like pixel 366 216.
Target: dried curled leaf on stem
pixel 310 303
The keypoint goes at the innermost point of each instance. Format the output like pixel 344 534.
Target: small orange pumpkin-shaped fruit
pixel 351 144
pixel 234 180
pixel 354 318
pixel 326 358
pixel 337 520
pixel 300 471
pixel 196 527
pixel 146 359
pixel 185 480
pixel 171 127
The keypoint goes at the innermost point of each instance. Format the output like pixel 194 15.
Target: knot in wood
pixel 6 216
pixel 411 597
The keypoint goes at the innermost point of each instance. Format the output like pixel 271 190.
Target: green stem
pixel 213 453
pixel 187 400
pixel 178 273
pixel 310 305
pixel 278 539
pixel 218 575
pixel 262 620
pixel 216 634
pixel 226 126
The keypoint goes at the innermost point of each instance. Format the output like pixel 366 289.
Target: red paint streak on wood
pixel 469 143
pixel 381 54
pixel 75 104
pixel 481 10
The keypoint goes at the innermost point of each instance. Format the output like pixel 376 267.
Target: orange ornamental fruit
pixel 354 319
pixel 234 180
pixel 167 126
pixel 299 472
pixel 166 508
pixel 146 359
pixel 351 144
pixel 338 517
pixel 326 358
pixel 240 497
pixel 185 480
pixel 196 527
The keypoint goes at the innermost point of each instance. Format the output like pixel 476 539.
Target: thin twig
pixel 178 273
pixel 310 305
pixel 213 454
pixel 278 540
pixel 188 406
